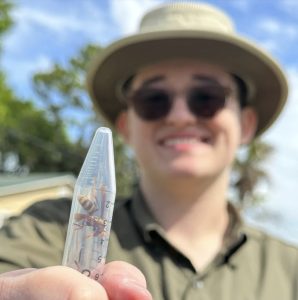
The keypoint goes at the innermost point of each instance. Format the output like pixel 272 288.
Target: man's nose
pixel 180 112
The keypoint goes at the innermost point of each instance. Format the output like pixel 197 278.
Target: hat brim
pixel 115 64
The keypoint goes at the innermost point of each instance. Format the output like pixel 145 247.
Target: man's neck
pixel 194 216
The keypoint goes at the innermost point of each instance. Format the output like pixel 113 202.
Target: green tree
pixel 62 93
pixel 26 133
pixel 249 173
pixel 5 17
pixel 38 143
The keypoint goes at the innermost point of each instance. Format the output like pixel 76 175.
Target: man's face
pixel 184 142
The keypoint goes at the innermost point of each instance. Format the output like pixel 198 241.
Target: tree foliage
pixel 35 141
pixel 63 95
pixel 250 173
pixel 5 17
pixel 38 143
pixel 62 91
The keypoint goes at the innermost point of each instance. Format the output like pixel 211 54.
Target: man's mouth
pixel 185 141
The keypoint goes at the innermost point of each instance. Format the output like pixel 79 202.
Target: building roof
pixel 14 184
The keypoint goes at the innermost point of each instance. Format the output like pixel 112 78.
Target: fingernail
pixel 138 291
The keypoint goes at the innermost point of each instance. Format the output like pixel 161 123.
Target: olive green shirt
pixel 251 265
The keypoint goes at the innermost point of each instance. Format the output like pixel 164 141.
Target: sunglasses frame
pixel 144 107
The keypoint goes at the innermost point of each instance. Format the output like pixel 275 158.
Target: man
pixel 185 93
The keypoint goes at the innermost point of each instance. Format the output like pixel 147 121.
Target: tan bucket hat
pixel 189 30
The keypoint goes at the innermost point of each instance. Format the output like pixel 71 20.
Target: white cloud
pixel 278 28
pixel 242 5
pixel 86 20
pixel 127 14
pixel 41 34
pixel 271 45
pixel 23 70
pixel 270 25
pixel 27 15
pixel 283 167
pixel 293 82
pixel 287 126
pixel 289 6
pixel 273 33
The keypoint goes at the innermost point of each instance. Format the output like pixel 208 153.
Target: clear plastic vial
pixel 92 208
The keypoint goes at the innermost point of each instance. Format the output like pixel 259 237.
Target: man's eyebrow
pixel 209 79
pixel 127 85
pixel 152 80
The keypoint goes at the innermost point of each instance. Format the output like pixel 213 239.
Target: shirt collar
pixel 234 236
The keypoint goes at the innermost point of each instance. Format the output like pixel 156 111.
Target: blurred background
pixel 47 119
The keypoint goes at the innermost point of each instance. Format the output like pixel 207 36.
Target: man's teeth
pixel 185 140
pixel 177 141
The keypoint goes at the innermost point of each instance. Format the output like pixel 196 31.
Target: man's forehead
pixel 181 69
pixel 199 78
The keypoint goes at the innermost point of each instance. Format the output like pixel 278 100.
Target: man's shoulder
pixel 262 236
pixel 50 210
pixel 59 209
pixel 268 243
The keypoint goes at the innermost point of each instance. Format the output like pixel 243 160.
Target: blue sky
pixel 52 31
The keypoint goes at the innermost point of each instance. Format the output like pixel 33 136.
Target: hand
pixel 120 281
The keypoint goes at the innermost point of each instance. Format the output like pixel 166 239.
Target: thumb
pixel 52 283
pixel 124 281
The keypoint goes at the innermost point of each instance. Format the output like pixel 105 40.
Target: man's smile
pixel 184 141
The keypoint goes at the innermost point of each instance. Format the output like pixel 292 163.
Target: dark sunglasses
pixel 204 101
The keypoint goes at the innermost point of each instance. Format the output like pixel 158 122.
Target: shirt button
pixel 198 284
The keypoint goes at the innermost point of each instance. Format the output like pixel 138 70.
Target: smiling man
pixel 185 93
pixel 185 123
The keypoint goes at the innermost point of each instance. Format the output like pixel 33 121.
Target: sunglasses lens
pixel 151 104
pixel 207 101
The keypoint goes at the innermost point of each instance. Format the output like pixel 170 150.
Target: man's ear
pixel 249 123
pixel 122 126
